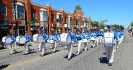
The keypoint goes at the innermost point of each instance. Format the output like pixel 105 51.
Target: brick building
pixel 44 16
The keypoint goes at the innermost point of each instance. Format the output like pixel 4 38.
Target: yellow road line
pixel 32 60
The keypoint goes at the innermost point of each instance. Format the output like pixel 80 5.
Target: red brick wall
pixel 37 9
pixel 9 13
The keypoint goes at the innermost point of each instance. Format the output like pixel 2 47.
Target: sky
pixel 115 11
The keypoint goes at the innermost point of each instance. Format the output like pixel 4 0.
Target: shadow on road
pixel 4 66
pixel 73 55
pixel 103 60
pixel 104 53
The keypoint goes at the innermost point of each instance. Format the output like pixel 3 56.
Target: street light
pixel 14 5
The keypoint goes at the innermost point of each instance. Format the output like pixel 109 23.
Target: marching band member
pixel 100 36
pixel 39 47
pixel 116 39
pixel 50 38
pixel 54 45
pixel 110 50
pixel 45 37
pixel 85 36
pixel 69 46
pixel 28 39
pixel 94 41
pixel 58 35
pixel 122 35
pixel 13 51
pixel 79 39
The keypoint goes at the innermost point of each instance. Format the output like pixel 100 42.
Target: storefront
pixel 34 29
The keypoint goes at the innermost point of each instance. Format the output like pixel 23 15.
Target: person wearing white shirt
pixel 109 46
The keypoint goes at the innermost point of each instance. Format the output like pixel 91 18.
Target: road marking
pixel 31 60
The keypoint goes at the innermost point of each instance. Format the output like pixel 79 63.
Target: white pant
pixel 94 43
pixel 40 48
pixel 69 46
pixel 27 48
pixel 100 39
pixel 85 45
pixel 79 46
pixel 43 48
pixel 109 53
pixel 12 48
pixel 54 45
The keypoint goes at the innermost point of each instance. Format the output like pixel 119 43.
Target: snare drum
pixel 65 38
pixel 20 39
pixel 92 38
pixel 38 38
pixel 51 41
pixel 84 40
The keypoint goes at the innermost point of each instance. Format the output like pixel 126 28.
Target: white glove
pixel 72 41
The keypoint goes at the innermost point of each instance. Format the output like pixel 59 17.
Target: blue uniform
pixel 73 37
pixel 45 37
pixel 28 38
pixel 79 36
pixel 13 39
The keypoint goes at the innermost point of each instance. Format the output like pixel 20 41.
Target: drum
pixel 92 38
pixel 84 40
pixel 65 38
pixel 4 39
pixel 109 39
pixel 38 38
pixel 51 41
pixel 8 40
pixel 88 40
pixel 20 39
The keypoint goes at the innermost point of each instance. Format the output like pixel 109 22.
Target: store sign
pixel 37 24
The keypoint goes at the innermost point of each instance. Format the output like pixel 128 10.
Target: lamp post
pixel 16 27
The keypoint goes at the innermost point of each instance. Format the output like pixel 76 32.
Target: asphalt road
pixel 93 59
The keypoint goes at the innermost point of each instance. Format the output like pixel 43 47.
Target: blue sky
pixel 116 11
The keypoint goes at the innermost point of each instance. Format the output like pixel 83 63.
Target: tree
pixel 116 26
pixel 101 24
pixel 131 24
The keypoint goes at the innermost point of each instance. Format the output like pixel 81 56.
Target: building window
pixel 34 14
pixel 52 17
pixel 83 22
pixel 60 18
pixel 77 21
pixel 70 20
pixel 3 9
pixel 43 15
pixel 20 12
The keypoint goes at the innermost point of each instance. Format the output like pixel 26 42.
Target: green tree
pixel 102 24
pixel 131 24
pixel 94 23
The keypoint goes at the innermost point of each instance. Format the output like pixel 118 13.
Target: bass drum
pixel 65 39
pixel 38 38
pixel 4 39
pixel 108 39
pixel 20 39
